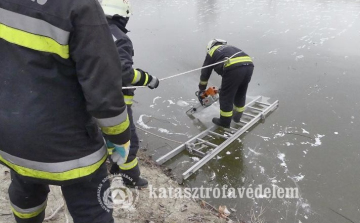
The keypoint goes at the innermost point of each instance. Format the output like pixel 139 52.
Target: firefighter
pixel 60 80
pixel 236 74
pixel 118 14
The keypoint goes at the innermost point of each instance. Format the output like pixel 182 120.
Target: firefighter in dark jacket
pixel 117 14
pixel 236 74
pixel 60 80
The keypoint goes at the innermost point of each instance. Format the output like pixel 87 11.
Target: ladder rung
pixel 243 122
pixel 247 114
pixel 256 109
pixel 198 153
pixel 219 135
pixel 208 143
pixel 234 129
pixel 262 103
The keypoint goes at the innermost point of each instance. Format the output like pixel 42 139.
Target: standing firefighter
pixel 236 74
pixel 60 74
pixel 117 13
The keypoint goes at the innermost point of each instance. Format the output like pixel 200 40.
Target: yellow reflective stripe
pixel 203 82
pixel 146 79
pixel 28 213
pixel 237 60
pixel 60 176
pixel 128 166
pixel 117 129
pixel 33 41
pixel 211 52
pixel 239 109
pixel 226 114
pixel 137 76
pixel 110 150
pixel 128 99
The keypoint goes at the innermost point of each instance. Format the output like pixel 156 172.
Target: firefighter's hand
pixel 119 152
pixel 154 82
pixel 202 87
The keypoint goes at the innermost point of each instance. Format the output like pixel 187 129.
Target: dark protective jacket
pixel 59 69
pixel 220 53
pixel 130 76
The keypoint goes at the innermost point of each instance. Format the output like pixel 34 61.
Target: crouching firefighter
pixel 57 89
pixel 118 14
pixel 236 74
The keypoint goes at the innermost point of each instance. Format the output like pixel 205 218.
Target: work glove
pixel 202 87
pixel 152 83
pixel 119 152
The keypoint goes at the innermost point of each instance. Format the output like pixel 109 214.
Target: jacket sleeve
pixel 98 71
pixel 205 72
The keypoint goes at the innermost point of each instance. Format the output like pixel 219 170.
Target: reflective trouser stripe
pixel 130 165
pixel 116 129
pixel 128 99
pixel 203 82
pixel 28 213
pixel 33 41
pixel 239 109
pixel 137 76
pixel 113 121
pixel 237 60
pixel 226 114
pixel 211 52
pixel 61 171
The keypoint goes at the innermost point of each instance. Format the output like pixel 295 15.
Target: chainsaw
pixel 206 98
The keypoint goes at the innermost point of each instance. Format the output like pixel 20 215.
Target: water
pixel 306 55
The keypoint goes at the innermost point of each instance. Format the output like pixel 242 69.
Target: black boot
pixel 132 178
pixel 223 122
pixel 237 116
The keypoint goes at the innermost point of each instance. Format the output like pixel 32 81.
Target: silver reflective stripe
pixel 108 122
pixel 114 38
pixel 34 26
pixel 57 167
pixel 28 210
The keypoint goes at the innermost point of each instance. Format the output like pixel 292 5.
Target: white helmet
pixel 214 42
pixel 116 7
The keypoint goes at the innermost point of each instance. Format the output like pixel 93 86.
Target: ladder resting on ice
pixel 254 111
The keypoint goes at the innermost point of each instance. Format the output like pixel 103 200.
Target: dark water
pixel 306 55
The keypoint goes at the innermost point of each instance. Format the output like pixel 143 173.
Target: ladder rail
pixel 223 145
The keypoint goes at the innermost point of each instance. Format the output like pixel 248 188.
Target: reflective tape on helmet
pixel 237 60
pixel 226 114
pixel 33 33
pixel 59 171
pixel 29 212
pixel 130 165
pixel 239 109
pixel 116 129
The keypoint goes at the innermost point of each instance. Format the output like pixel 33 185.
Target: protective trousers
pixel 131 167
pixel 28 199
pixel 234 85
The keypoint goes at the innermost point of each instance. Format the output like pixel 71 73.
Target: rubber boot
pixel 222 121
pixel 130 177
pixel 237 116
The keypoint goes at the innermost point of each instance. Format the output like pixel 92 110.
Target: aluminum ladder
pixel 254 111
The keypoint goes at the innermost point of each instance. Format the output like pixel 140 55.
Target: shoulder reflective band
pixel 116 129
pixel 239 109
pixel 60 171
pixel 130 165
pixel 137 76
pixel 211 52
pixel 128 99
pixel 237 60
pixel 29 212
pixel 226 114
pixel 203 82
pixel 33 33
